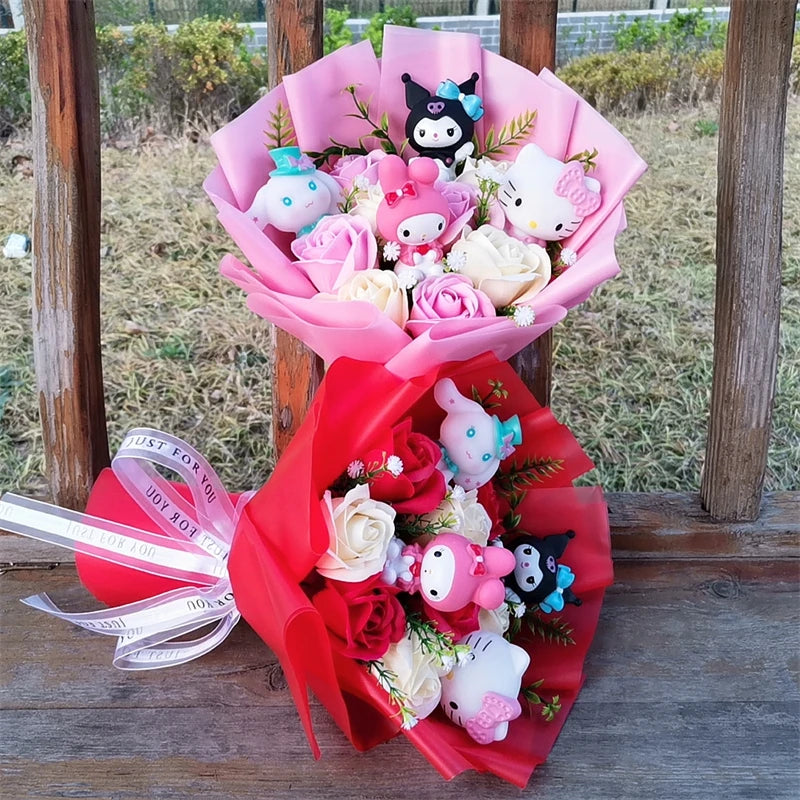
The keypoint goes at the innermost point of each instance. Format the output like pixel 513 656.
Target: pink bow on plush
pixel 496 710
pixel 478 566
pixel 572 185
pixel 304 162
pixel 408 189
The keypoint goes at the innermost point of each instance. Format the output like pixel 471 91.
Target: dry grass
pixel 182 352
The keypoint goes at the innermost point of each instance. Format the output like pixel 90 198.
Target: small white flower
pixel 361 183
pixel 409 721
pixel 448 662
pixel 488 171
pixel 569 257
pixel 395 465
pixel 462 656
pixel 391 251
pixel 407 278
pixel 518 609
pixel 458 493
pixel 355 469
pixel 524 316
pixel 456 261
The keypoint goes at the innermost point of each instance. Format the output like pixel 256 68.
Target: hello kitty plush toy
pixel 480 694
pixel 544 199
pixel 473 442
pixel 296 196
pixel 451 571
pixel 414 215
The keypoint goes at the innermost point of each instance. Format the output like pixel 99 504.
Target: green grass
pixel 182 352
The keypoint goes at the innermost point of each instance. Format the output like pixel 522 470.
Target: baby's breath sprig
pixel 348 201
pixel 549 708
pixel 487 191
pixel 386 680
pixel 510 134
pixel 586 157
pixel 280 131
pixel 358 472
pixel 433 642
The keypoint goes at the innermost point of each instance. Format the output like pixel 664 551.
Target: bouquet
pixel 419 558
pixel 435 205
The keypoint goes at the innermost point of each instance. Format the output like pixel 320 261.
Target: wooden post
pixel 66 244
pixel 528 36
pixel 294 40
pixel 749 221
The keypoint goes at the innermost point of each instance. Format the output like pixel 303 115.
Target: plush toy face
pixel 536 569
pixel 432 133
pixel 481 694
pixel 454 572
pixel 293 202
pixel 467 435
pixel 546 198
pixel 532 568
pixel 421 228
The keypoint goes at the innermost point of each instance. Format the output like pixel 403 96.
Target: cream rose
pixel 417 674
pixel 495 620
pixel 506 269
pixel 459 514
pixel 379 287
pixel 360 530
pixel 367 202
pixel 483 168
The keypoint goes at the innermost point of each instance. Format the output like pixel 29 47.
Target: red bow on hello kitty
pixel 408 189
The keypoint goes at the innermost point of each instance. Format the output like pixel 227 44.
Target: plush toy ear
pixel 499 561
pixel 530 155
pixel 446 395
pixel 423 170
pixel 592 184
pixel 414 92
pixel 490 594
pixel 392 172
pixel 333 186
pixel 520 659
pixel 468 87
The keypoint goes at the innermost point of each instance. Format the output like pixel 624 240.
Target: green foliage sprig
pixel 531 471
pixel 550 629
pixel 387 681
pixel 280 130
pixel 487 191
pixel 433 642
pixel 588 158
pixel 549 708
pixel 496 390
pixel 510 134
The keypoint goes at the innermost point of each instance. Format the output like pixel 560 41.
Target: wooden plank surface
pixel 749 221
pixel 528 37
pixel 691 694
pixel 648 526
pixel 295 37
pixel 66 244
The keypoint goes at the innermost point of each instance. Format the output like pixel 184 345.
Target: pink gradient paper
pixel 280 292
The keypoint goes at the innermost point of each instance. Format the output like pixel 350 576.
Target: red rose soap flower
pixel 367 616
pixel 420 487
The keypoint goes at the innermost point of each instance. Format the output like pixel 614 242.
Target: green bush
pixel 203 72
pixel 794 68
pixel 684 31
pixel 402 15
pixel 15 93
pixel 336 34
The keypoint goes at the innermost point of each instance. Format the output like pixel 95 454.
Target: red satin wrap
pixel 282 533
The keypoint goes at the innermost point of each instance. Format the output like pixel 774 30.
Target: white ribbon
pixel 194 548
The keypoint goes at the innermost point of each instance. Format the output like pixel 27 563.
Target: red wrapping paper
pixel 282 534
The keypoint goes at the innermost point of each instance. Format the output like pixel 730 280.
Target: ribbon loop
pixel 194 549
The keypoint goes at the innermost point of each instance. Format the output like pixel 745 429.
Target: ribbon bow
pixel 473 104
pixel 304 162
pixel 572 185
pixel 555 600
pixel 408 189
pixel 194 549
pixel 495 710
pixel 478 566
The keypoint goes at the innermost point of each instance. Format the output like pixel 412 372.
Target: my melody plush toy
pixel 480 694
pixel 414 214
pixel 544 199
pixel 451 571
pixel 296 196
pixel 473 442
pixel 441 125
pixel 537 577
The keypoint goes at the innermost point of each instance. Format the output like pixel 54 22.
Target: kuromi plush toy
pixel 538 578
pixel 296 196
pixel 451 571
pixel 544 199
pixel 473 442
pixel 480 694
pixel 441 125
pixel 413 214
